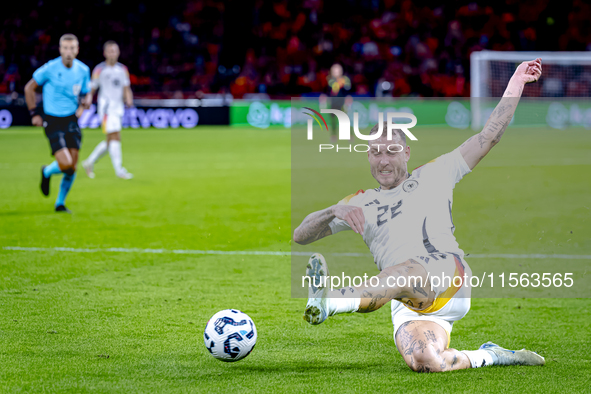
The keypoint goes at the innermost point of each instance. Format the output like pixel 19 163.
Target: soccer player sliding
pixel 406 223
pixel 63 80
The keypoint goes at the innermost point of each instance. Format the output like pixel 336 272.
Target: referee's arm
pixel 85 103
pixel 87 90
pixel 31 100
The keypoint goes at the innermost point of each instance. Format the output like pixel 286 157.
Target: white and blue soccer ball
pixel 230 335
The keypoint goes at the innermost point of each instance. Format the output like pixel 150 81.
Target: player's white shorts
pixel 445 310
pixel 110 115
pixel 111 123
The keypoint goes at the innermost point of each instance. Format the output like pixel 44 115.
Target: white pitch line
pixel 274 253
pixel 531 256
pixel 151 251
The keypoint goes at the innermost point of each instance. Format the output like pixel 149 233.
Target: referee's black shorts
pixel 62 132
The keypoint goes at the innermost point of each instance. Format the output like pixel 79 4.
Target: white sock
pixel 115 153
pixel 479 358
pixel 342 303
pixel 98 152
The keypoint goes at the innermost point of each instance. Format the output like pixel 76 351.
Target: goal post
pixel 565 75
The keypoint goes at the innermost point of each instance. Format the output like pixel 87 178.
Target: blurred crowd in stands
pixel 287 47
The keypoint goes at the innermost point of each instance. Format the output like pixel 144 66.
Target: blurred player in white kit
pixel 111 79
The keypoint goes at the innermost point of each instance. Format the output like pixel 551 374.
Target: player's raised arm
pixel 316 225
pixel 477 146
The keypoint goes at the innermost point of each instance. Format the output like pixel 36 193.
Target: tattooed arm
pixel 477 146
pixel 316 225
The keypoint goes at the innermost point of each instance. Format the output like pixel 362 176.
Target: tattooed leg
pixel 406 282
pixel 423 345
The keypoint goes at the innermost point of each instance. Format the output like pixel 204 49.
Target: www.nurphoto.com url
pixel 434 281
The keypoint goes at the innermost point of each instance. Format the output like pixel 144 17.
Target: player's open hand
pixel 352 215
pixel 37 120
pixel 79 111
pixel 529 71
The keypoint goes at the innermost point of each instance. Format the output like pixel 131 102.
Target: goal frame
pixel 479 70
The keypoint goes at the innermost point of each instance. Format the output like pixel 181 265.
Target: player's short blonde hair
pixel 68 37
pixel 109 43
pixel 399 132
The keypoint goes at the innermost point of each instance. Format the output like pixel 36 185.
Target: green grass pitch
pixel 133 322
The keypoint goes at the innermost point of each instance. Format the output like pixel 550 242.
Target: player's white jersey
pixel 110 81
pixel 413 219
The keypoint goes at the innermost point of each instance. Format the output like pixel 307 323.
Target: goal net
pixel 565 87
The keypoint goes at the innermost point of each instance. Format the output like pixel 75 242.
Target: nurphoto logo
pixel 345 129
